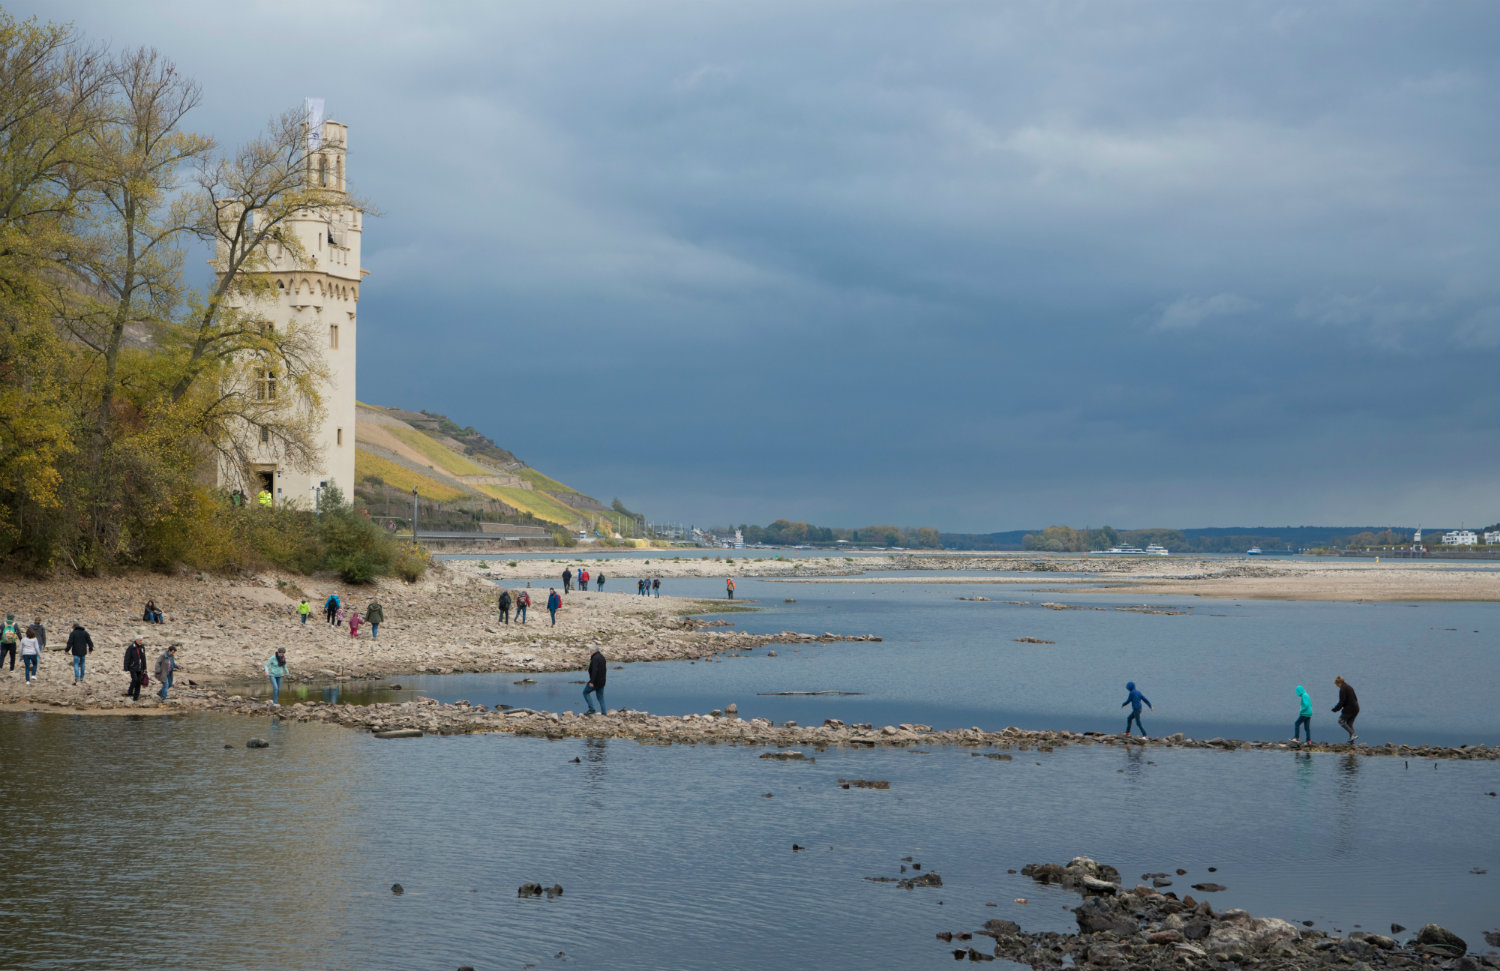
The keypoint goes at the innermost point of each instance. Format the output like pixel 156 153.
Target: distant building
pixel 1460 537
pixel 1492 537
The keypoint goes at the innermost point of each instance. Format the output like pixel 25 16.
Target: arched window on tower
pixel 323 170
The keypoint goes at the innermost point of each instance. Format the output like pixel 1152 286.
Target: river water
pixel 1426 673
pixel 163 840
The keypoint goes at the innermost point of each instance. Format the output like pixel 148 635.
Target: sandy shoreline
pixel 1232 579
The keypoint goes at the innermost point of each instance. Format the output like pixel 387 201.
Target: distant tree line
pixel 783 532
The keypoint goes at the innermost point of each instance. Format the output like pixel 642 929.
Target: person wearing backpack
pixel 505 606
pixel 553 602
pixel 523 600
pixel 331 609
pixel 10 640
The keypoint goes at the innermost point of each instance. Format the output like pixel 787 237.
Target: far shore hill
pixel 462 477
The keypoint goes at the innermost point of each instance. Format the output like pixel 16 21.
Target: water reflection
pixel 594 751
pixel 1135 764
pixel 1346 793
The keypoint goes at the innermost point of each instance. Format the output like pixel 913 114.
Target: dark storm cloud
pixel 967 264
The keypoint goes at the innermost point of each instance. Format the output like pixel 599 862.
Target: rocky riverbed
pixel 1143 927
pixel 721 726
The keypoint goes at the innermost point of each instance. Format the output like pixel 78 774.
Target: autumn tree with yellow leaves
pixel 121 386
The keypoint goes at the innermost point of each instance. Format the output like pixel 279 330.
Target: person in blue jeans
pixel 1304 716
pixel 553 602
pixel 80 645
pixel 598 671
pixel 165 665
pixel 1135 699
pixel 276 670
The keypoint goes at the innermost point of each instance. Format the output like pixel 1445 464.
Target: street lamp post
pixel 414 515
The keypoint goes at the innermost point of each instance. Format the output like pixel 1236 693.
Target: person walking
pixel 567 579
pixel 354 622
pixel 10 639
pixel 553 602
pixel 80 645
pixel 640 588
pixel 656 586
pixel 31 654
pixel 135 663
pixel 583 581
pixel 729 587
pixel 1349 705
pixel 303 609
pixel 523 600
pixel 375 616
pixel 331 609
pixel 1135 699
pixel 599 581
pixel 40 633
pixel 165 665
pixel 598 671
pixel 1304 716
pixel 276 669
pixel 505 606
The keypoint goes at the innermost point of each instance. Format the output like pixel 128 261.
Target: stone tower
pixel 319 291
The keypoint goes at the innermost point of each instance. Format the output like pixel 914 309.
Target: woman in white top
pixel 31 653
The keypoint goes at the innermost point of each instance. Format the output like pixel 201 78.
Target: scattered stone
pixel 1210 887
pixel 397 889
pixel 864 784
pixel 929 879
pixel 257 743
pixel 795 755
pixel 1032 640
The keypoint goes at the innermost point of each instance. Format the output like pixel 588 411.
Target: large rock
pixel 1099 915
pixel 1440 940
pixel 1238 931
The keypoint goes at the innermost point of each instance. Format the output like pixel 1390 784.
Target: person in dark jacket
pixel 599 583
pixel 375 616
pixel 554 601
pixel 80 645
pixel 505 606
pixel 135 663
pixel 523 601
pixel 1135 699
pixel 597 673
pixel 331 609
pixel 1349 705
pixel 567 579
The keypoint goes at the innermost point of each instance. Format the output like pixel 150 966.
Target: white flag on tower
pixel 314 124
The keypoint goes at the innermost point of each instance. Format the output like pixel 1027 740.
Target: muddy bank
pixel 1145 927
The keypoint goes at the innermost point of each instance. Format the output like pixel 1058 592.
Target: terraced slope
pixel 463 468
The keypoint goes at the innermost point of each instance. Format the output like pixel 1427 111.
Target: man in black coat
pixel 505 606
pixel 1349 705
pixel 135 663
pixel 597 673
pixel 80 645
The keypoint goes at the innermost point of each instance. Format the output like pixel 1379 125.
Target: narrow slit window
pixel 333 336
pixel 265 435
pixel 340 436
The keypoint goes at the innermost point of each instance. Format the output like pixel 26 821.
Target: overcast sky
pixel 974 265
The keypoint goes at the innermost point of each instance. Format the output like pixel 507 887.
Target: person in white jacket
pixel 31 653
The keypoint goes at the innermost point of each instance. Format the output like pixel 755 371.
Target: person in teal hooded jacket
pixel 1304 717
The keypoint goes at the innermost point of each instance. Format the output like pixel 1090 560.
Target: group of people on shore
pixel 1348 706
pixel 335 615
pixel 581 578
